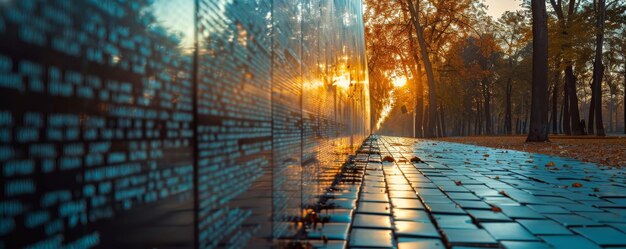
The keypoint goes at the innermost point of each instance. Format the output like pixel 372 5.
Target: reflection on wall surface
pixel 173 123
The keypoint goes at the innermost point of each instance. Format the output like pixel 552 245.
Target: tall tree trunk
pixel 508 126
pixel 487 106
pixel 443 120
pixel 539 105
pixel 576 126
pixel 462 127
pixel 571 119
pixel 555 100
pixel 598 70
pixel 430 76
pixel 426 118
pixel 479 117
pixel 592 111
pixel 567 124
pixel 561 117
pixel 611 104
pixel 624 101
pixel 419 90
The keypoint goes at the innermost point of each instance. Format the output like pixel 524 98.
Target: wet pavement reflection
pixel 409 193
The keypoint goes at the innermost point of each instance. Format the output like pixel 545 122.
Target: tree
pixel 565 28
pixel 513 39
pixel 539 105
pixel 598 72
pixel 430 76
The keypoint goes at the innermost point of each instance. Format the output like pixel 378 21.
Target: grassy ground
pixel 610 151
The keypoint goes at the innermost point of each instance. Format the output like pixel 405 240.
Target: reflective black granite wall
pixel 173 123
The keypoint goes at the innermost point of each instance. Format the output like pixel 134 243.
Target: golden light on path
pixel 399 81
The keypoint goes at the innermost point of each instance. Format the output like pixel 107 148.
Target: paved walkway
pixel 464 196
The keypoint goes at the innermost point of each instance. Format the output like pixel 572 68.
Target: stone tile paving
pixel 464 196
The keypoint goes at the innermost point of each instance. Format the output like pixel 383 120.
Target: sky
pixel 497 7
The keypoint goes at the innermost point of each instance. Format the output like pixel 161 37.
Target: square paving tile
pixel 569 242
pixel 508 231
pixel 445 208
pixel 523 212
pixel 488 215
pixel 402 194
pixel 399 187
pixel 410 215
pixel 473 204
pixel 374 184
pixel 500 201
pixel 428 191
pixel 436 199
pixel 463 196
pixel 454 221
pixel 407 203
pixel 373 178
pixel 580 208
pixel 571 220
pixel 360 237
pixel 374 197
pixel 524 245
pixel 374 208
pixel 604 236
pixel 468 236
pixel 415 243
pixel 373 190
pixel 486 193
pixel 549 209
pixel 544 227
pixel 603 217
pixel 415 229
pixel 372 221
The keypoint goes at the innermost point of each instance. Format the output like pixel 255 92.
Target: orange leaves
pixel 496 209
pixel 604 151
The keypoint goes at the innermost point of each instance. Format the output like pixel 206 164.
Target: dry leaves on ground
pixel 605 151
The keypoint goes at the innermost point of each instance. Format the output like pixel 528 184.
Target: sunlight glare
pixel 399 81
pixel 387 108
pixel 342 81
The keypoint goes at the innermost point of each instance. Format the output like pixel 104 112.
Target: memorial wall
pixel 174 123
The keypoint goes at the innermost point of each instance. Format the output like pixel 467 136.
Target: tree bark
pixel 479 126
pixel 539 105
pixel 443 120
pixel 592 110
pixel 430 76
pixel 561 117
pixel 419 90
pixel 598 70
pixel 624 101
pixel 555 101
pixel 571 118
pixel 508 126
pixel 566 124
pixel 487 107
pixel 576 127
